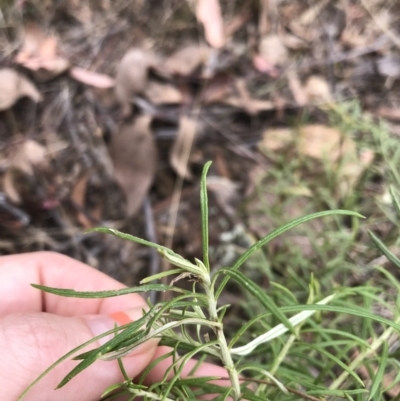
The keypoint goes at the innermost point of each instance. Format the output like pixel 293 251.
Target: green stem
pixel 225 354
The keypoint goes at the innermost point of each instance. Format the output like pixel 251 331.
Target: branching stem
pixel 225 354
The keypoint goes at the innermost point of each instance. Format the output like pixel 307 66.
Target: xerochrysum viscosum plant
pixel 192 322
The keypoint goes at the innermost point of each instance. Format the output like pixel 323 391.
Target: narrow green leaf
pixel 288 226
pixel 395 200
pixel 252 397
pixel 204 214
pixel 119 234
pixel 280 230
pixel 62 359
pixel 194 381
pixel 340 309
pixel 382 247
pixel 65 292
pixel 262 297
pixel 161 275
pixel 183 360
pixel 336 360
pixel 121 344
pixel 154 363
pixel 109 346
pixel 378 379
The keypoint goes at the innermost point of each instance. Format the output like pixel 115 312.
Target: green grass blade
pixel 275 233
pixel 286 227
pixel 257 292
pixel 378 379
pixel 383 248
pixel 66 292
pixel 204 214
pixel 354 311
pixel 336 360
pixel 395 200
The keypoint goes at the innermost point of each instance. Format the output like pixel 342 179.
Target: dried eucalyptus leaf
pixel 13 86
pixel 133 152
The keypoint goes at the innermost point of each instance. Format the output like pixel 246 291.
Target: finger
pixel 51 269
pixel 30 343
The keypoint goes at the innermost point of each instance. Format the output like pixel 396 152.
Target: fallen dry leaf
pixel 264 25
pixel 78 193
pixel 317 90
pixel 217 89
pixel 264 66
pixel 78 196
pixel 208 12
pixel 101 81
pixel 327 143
pixel 13 86
pixel 180 151
pixel 255 105
pixel 323 142
pixel 250 105
pixel 163 93
pixel 225 192
pixel 132 76
pixel 39 53
pixel 272 50
pixel 390 114
pixel 25 156
pixel 297 89
pixel 276 138
pixel 133 153
pixel 186 60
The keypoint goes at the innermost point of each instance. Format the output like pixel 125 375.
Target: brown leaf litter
pixel 134 155
pixel 40 54
pixel 14 86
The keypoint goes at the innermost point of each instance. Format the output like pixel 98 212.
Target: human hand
pixel 37 328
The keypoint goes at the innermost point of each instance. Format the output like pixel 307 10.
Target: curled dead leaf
pixel 225 192
pixel 186 60
pixel 39 53
pixel 180 151
pixel 297 89
pixel 13 86
pixel 276 138
pixel 317 90
pixel 273 50
pixel 208 12
pixel 101 81
pixel 78 196
pixel 133 153
pixel 25 156
pixel 320 142
pixel 132 75
pixel 163 93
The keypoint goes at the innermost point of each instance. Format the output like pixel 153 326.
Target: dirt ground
pixel 109 110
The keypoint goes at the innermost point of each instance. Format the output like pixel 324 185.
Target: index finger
pixel 51 269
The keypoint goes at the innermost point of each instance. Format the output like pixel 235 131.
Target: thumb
pixel 30 343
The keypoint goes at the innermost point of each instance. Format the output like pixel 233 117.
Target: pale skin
pixel 37 328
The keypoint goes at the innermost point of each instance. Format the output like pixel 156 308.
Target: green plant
pixel 193 323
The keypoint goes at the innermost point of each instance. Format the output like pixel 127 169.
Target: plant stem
pixel 225 353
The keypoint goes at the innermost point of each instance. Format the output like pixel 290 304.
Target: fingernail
pixel 100 324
